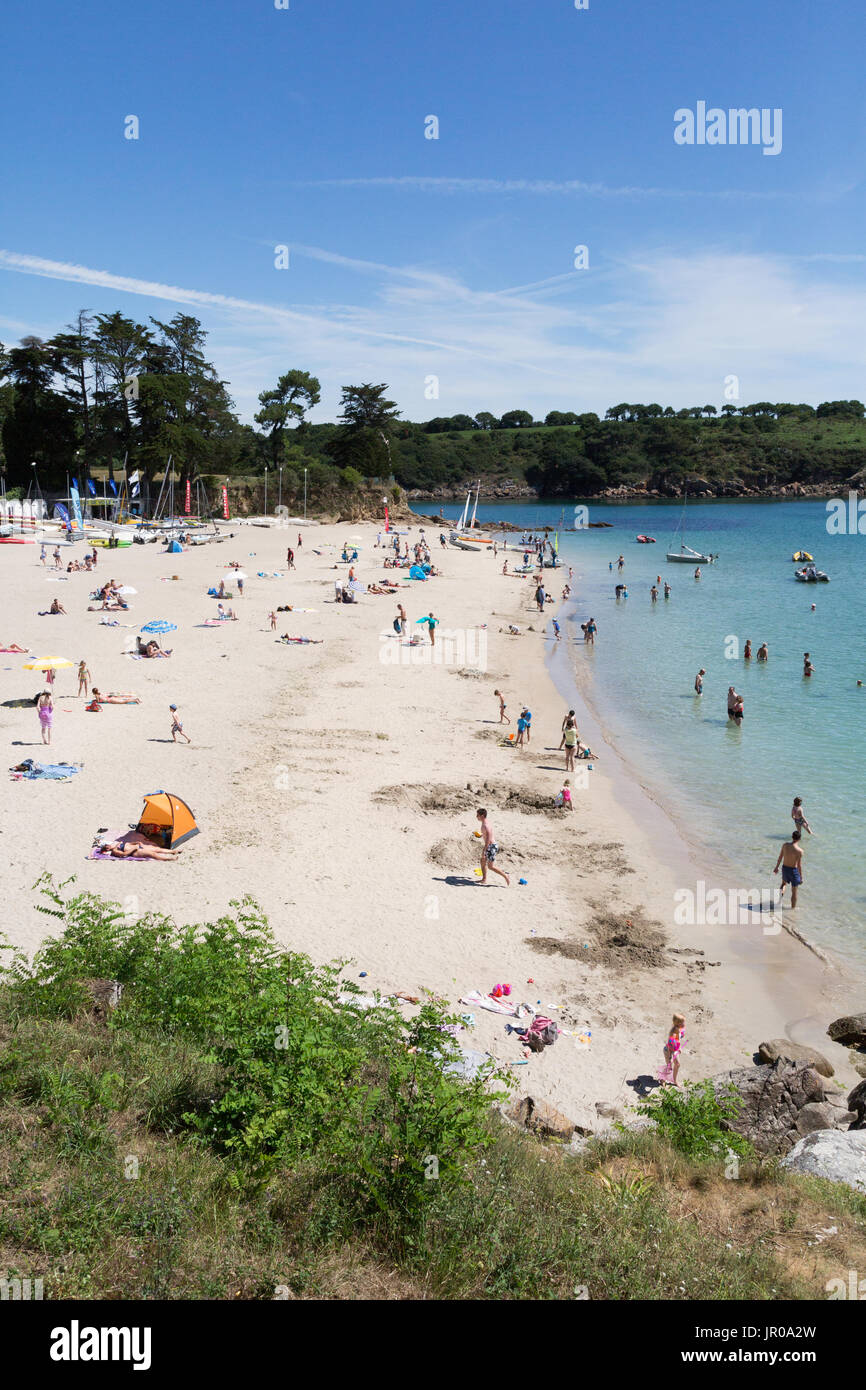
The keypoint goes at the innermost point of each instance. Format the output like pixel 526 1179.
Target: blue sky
pixel 451 258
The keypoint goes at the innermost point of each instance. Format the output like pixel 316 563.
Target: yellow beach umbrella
pixel 47 663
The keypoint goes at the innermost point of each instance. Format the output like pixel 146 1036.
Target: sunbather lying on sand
pixel 137 846
pixel 115 698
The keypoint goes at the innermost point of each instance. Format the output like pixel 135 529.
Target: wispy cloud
pixel 426 184
pixel 665 326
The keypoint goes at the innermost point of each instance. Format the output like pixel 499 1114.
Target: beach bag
pixel 542 1033
pixel 397 627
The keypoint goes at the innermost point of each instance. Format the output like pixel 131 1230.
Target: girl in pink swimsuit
pixel 672 1048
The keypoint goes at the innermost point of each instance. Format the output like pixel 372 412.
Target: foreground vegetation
pixel 240 1125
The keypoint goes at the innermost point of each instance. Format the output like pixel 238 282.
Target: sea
pixel 729 789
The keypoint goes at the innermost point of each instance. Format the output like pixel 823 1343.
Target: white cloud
pixel 662 327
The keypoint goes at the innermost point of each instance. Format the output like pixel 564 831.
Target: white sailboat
pixel 470 539
pixel 686 555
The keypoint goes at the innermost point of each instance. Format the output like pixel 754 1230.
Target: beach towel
pixel 20 651
pixel 97 851
pixel 50 772
pixel 483 1001
pixel 313 641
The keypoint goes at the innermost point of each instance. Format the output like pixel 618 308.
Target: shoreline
pixel 338 789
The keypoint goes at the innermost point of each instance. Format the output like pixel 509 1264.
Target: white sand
pixel 308 770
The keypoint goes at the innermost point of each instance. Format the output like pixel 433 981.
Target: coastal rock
pixel 771 1098
pixel 829 1154
pixel 857 1103
pixel 541 1118
pixel 821 1115
pixel 794 1052
pixel 850 1030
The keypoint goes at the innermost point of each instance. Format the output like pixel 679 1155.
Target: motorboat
pixel 645 540
pixel 810 575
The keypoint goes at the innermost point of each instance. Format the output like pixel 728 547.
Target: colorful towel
pixel 50 772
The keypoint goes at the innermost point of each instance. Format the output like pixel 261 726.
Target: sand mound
pixel 442 798
pixel 612 940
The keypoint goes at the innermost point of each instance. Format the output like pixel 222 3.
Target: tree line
pixel 108 393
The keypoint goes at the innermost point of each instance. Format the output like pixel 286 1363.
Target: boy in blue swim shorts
pixel 791 860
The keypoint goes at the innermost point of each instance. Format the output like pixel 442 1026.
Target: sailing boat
pixel 471 539
pixel 685 555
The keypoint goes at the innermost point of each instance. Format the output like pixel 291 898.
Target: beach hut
pixel 166 816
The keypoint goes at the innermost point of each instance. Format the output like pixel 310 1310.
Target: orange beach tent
pixel 165 815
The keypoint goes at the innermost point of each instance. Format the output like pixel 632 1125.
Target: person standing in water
pixel 808 668
pixel 763 652
pixel 699 682
pixel 747 650
pixel 798 816
pixel 791 860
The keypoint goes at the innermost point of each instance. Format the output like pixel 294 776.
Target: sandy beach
pixel 337 783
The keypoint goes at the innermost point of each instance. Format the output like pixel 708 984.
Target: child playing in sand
pixel 503 717
pixel 489 849
pixel 676 1037
pixel 564 797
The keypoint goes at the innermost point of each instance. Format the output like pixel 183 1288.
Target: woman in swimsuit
pixel 570 740
pixel 45 710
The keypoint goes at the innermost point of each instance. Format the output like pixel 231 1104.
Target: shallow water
pixel 731 788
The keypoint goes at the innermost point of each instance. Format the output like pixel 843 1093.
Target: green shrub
pixel 692 1119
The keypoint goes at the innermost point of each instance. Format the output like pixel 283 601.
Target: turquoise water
pixel 730 788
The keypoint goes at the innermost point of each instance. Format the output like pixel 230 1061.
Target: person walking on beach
pixel 503 717
pixel 489 849
pixel 556 632
pixel 540 596
pixel 699 682
pixel 84 677
pixel 45 710
pixel 56 554
pixel 290 558
pixel 176 726
pixel 401 618
pixel 798 816
pixel 300 540
pixel 42 556
pixel 791 860
pixel 672 1050
pixel 273 621
pixel 240 587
